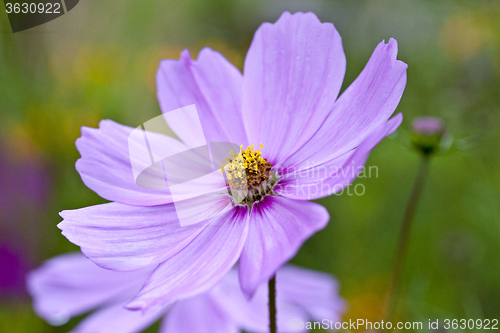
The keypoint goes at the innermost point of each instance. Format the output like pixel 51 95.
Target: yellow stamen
pixel 247 169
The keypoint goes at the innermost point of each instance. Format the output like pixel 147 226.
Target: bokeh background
pixel 99 61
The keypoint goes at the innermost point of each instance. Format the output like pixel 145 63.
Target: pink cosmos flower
pixel 70 285
pixel 313 144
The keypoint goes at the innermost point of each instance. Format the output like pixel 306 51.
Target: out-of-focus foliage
pixel 99 62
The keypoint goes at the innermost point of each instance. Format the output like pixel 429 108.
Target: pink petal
pixel 253 315
pixel 116 318
pixel 302 295
pixel 213 85
pixel 293 73
pixel 363 107
pixel 315 292
pixel 278 227
pixel 200 265
pixel 106 169
pixel 333 176
pixel 200 314
pixel 70 284
pixel 122 237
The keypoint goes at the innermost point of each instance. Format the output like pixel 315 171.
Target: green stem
pixel 392 295
pixel 272 305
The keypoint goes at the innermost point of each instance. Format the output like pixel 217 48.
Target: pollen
pixel 247 169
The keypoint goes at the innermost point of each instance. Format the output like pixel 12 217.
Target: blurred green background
pixel 99 61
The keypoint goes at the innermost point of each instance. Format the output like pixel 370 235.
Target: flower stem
pixel 392 295
pixel 272 305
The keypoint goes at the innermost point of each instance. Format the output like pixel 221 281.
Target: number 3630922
pixel 25 8
pixel 484 324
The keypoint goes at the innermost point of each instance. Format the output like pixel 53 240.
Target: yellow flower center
pixel 247 169
pixel 248 175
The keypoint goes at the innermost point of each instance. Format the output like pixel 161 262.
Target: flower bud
pixel 427 134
